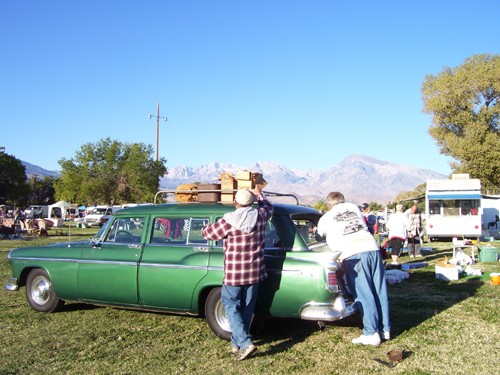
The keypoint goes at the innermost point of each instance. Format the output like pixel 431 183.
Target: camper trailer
pixel 453 207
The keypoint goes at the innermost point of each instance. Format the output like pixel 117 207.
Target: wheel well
pixel 202 299
pixel 24 276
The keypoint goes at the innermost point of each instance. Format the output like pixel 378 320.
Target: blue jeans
pixel 365 276
pixel 239 304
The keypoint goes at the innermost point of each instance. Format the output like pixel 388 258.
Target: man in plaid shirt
pixel 243 231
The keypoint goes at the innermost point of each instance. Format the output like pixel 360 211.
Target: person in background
pixel 346 233
pixel 370 218
pixel 381 220
pixel 398 225
pixel 415 218
pixel 243 232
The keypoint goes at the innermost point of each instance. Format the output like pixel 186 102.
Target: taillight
pixel 332 278
pixel 333 285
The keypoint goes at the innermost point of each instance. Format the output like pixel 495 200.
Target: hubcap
pixel 40 290
pixel 220 316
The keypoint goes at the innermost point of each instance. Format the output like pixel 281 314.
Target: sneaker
pixel 247 352
pixel 368 339
pixel 412 256
pixel 234 349
pixel 394 263
pixel 386 335
pixel 418 256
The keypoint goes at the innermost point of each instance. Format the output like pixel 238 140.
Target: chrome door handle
pixel 201 248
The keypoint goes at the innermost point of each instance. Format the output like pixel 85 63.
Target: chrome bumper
pixel 328 312
pixel 12 284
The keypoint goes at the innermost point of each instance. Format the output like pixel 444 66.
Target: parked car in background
pixel 153 257
pixel 99 215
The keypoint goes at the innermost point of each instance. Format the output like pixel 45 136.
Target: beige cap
pixel 244 197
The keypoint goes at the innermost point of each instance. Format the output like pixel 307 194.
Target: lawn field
pixel 444 328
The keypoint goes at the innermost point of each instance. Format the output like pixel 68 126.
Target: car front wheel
pixel 39 292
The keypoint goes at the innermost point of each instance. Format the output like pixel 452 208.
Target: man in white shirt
pixel 346 232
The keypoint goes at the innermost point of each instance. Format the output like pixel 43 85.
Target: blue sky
pixel 301 83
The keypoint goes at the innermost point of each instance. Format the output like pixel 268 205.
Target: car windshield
pixel 98 211
pixel 98 236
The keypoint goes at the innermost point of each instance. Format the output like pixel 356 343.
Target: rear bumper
pixel 12 284
pixel 328 312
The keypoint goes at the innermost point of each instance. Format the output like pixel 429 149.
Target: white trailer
pixel 59 211
pixel 453 207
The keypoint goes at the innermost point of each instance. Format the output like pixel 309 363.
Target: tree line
pixel 107 172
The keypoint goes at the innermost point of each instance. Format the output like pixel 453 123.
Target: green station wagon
pixel 153 257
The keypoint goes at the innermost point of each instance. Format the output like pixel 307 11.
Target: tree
pixel 321 206
pixel 42 191
pixel 465 109
pixel 110 172
pixel 13 186
pixel 407 198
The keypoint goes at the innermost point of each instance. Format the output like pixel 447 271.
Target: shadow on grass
pixel 284 333
pixel 411 303
pixel 422 296
pixel 77 306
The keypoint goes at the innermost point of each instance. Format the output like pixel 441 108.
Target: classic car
pixel 153 257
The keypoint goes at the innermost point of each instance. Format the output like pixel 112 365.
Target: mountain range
pixel 360 178
pixel 35 170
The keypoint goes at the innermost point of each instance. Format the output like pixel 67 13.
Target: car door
pixel 107 272
pixel 173 263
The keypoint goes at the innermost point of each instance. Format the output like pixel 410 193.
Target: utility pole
pixel 158 117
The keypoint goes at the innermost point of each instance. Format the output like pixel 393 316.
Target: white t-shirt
pixel 345 230
pixel 398 225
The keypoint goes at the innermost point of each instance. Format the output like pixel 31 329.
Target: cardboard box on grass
pixel 445 271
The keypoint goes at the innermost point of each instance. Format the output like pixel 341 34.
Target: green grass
pixel 444 328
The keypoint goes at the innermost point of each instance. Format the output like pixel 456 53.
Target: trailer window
pixel 469 206
pixel 434 207
pixel 451 208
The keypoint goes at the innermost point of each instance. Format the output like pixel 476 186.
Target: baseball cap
pixel 364 206
pixel 244 197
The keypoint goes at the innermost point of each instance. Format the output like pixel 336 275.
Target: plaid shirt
pixel 243 252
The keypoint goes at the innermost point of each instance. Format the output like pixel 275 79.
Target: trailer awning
pixel 454 196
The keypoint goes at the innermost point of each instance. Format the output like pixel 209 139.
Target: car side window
pixel 126 230
pixel 272 238
pixel 178 231
pixel 306 228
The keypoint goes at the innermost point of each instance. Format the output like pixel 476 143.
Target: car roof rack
pixel 166 193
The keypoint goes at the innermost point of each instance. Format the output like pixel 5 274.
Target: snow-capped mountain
pixel 360 178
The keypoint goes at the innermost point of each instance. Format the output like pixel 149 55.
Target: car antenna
pixel 69 226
